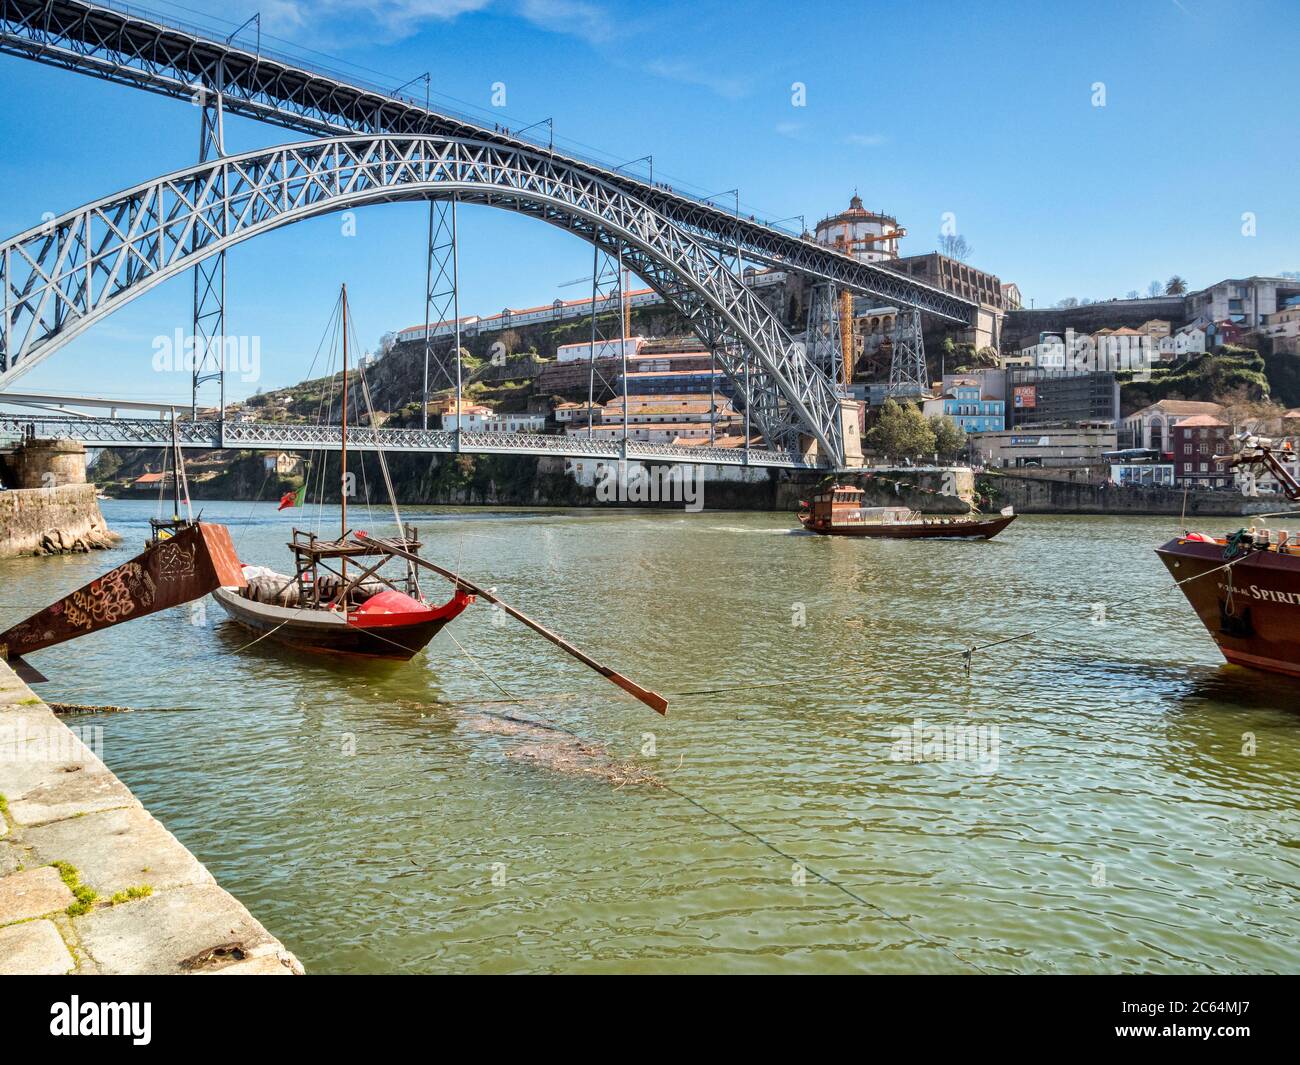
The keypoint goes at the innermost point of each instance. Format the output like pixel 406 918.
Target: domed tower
pixel 866 235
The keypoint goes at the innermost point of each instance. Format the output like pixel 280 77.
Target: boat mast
pixel 343 461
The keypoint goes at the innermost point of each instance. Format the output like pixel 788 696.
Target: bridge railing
pixel 299 436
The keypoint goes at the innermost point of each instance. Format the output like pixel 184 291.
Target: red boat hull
pixel 936 530
pixel 1252 610
pixel 397 637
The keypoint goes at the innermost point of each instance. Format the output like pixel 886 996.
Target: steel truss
pixel 442 299
pixel 58 279
pixel 142 51
pixel 606 328
pixel 822 340
pixel 908 375
pixel 210 273
pixel 279 436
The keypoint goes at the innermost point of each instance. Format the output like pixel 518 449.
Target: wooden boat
pixel 324 609
pixel 1245 588
pixel 838 511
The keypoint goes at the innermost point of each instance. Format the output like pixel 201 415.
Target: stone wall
pixel 1022 327
pixel 52 521
pixel 1053 495
pixel 45 464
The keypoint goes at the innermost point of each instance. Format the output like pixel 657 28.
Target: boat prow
pixel 1245 590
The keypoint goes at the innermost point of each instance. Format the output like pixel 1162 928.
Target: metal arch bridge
pixel 279 436
pixel 140 50
pixel 59 278
pixel 55 287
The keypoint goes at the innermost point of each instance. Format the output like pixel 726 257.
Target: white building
pixel 576 413
pixel 1247 301
pixel 1284 328
pixel 605 349
pixel 658 433
pixel 861 233
pixel 1153 427
pixel 1189 340
pixel 477 419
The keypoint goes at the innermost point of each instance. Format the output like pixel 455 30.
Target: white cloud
pixel 575 17
pixel 398 19
pixel 699 74
pixel 789 129
pixel 865 140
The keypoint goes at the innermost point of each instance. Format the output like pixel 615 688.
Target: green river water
pixel 1138 813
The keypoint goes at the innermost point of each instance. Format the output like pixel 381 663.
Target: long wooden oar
pixel 653 700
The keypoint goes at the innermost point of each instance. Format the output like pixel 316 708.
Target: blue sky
pixel 982 110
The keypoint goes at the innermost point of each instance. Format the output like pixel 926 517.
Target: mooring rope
pixel 734 825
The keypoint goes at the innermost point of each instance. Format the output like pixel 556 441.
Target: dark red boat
pixel 323 610
pixel 1245 588
pixel 838 511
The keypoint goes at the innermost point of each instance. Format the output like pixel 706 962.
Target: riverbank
pixel 63 519
pixel 1053 492
pixel 90 882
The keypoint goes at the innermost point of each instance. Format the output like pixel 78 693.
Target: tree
pixel 955 246
pixel 949 437
pixel 1154 289
pixel 901 432
pixel 1133 294
pixel 1175 286
pixel 1069 301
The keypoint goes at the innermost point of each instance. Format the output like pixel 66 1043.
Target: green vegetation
pixel 949 437
pixel 1229 374
pixel 141 892
pixel 83 893
pixel 4 805
pixel 901 432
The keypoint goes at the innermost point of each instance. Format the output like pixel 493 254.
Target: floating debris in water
pixel 107 708
pixel 557 750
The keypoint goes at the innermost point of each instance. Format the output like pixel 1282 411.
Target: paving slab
pixel 184 930
pixel 33 893
pixel 66 805
pixel 34 948
pixel 75 790
pixel 117 849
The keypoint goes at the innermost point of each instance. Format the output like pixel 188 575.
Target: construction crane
pixel 847 244
pixel 848 341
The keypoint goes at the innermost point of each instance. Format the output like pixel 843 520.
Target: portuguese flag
pixel 292 499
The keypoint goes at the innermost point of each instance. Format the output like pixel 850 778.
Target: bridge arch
pixel 58 279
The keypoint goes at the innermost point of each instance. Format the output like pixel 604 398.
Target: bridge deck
pixel 285 436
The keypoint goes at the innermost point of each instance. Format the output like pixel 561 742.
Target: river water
pixel 1129 805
